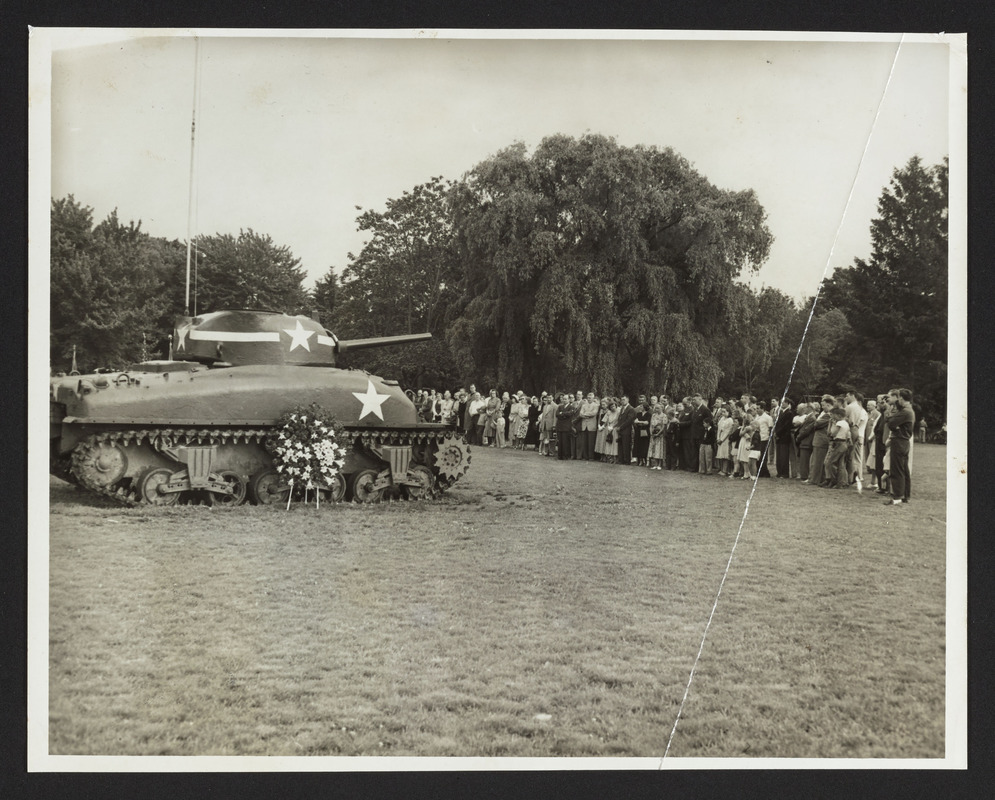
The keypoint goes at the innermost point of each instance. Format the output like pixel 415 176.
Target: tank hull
pixel 153 436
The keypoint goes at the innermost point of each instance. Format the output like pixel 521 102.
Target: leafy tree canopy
pixel 611 265
pixel 248 271
pixel 403 281
pixel 106 286
pixel 115 290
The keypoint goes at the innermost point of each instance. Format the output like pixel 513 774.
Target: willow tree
pixel 589 261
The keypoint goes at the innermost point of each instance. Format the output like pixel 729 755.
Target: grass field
pixel 539 609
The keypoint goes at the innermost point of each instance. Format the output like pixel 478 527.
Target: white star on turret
pixel 371 400
pixel 299 337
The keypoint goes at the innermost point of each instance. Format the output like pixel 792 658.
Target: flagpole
pixel 193 131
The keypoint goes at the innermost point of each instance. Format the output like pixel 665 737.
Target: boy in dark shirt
pixel 901 420
pixel 707 448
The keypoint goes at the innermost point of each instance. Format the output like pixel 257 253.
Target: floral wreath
pixel 305 450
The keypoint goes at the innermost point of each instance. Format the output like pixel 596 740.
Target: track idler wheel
pixel 101 465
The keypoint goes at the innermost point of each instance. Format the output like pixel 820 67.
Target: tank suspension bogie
pixel 421 483
pixel 267 487
pixel 368 485
pixel 229 466
pixel 152 487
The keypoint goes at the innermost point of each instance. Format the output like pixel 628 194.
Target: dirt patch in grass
pixel 540 608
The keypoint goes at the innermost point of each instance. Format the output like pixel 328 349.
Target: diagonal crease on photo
pixel 815 301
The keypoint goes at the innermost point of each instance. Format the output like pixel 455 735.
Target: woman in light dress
pixel 742 466
pixel 447 408
pixel 723 450
pixel 657 453
pixel 599 440
pixel 611 418
pixel 519 421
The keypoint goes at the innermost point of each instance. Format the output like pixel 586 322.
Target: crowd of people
pixel 834 442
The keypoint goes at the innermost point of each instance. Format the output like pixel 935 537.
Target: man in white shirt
pixel 856 416
pixel 764 423
pixel 588 426
pixel 474 409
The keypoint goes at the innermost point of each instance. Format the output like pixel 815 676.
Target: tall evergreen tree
pixel 324 298
pixel 896 301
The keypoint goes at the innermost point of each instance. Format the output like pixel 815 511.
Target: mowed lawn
pixel 539 608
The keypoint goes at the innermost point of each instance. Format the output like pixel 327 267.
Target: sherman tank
pixel 193 427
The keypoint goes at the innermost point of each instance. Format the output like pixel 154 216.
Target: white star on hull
pixel 371 400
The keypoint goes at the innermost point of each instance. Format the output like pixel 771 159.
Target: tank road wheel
pixel 267 488
pixel 150 485
pixel 239 488
pixel 336 491
pixel 362 487
pixel 452 459
pixel 426 483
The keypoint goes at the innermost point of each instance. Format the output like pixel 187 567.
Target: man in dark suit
pixel 575 426
pixel 626 416
pixel 782 438
pixel 564 428
pixel 689 453
pixel 701 420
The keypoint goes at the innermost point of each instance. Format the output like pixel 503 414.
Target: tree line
pixel 582 263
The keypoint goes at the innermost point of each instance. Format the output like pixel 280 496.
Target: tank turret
pixel 239 338
pixel 196 424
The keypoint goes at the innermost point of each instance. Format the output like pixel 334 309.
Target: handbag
pixel 610 438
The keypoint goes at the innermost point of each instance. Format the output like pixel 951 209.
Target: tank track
pixel 82 457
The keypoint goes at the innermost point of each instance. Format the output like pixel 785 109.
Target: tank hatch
pixel 253 337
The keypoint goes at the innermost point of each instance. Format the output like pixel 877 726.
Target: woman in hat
pixel 519 421
pixel 611 437
pixel 657 452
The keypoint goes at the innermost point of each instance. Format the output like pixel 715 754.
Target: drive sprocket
pixel 452 459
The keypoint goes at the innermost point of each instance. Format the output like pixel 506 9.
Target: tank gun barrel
pixel 347 345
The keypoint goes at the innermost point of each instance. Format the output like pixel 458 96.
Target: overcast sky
pixel 294 133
